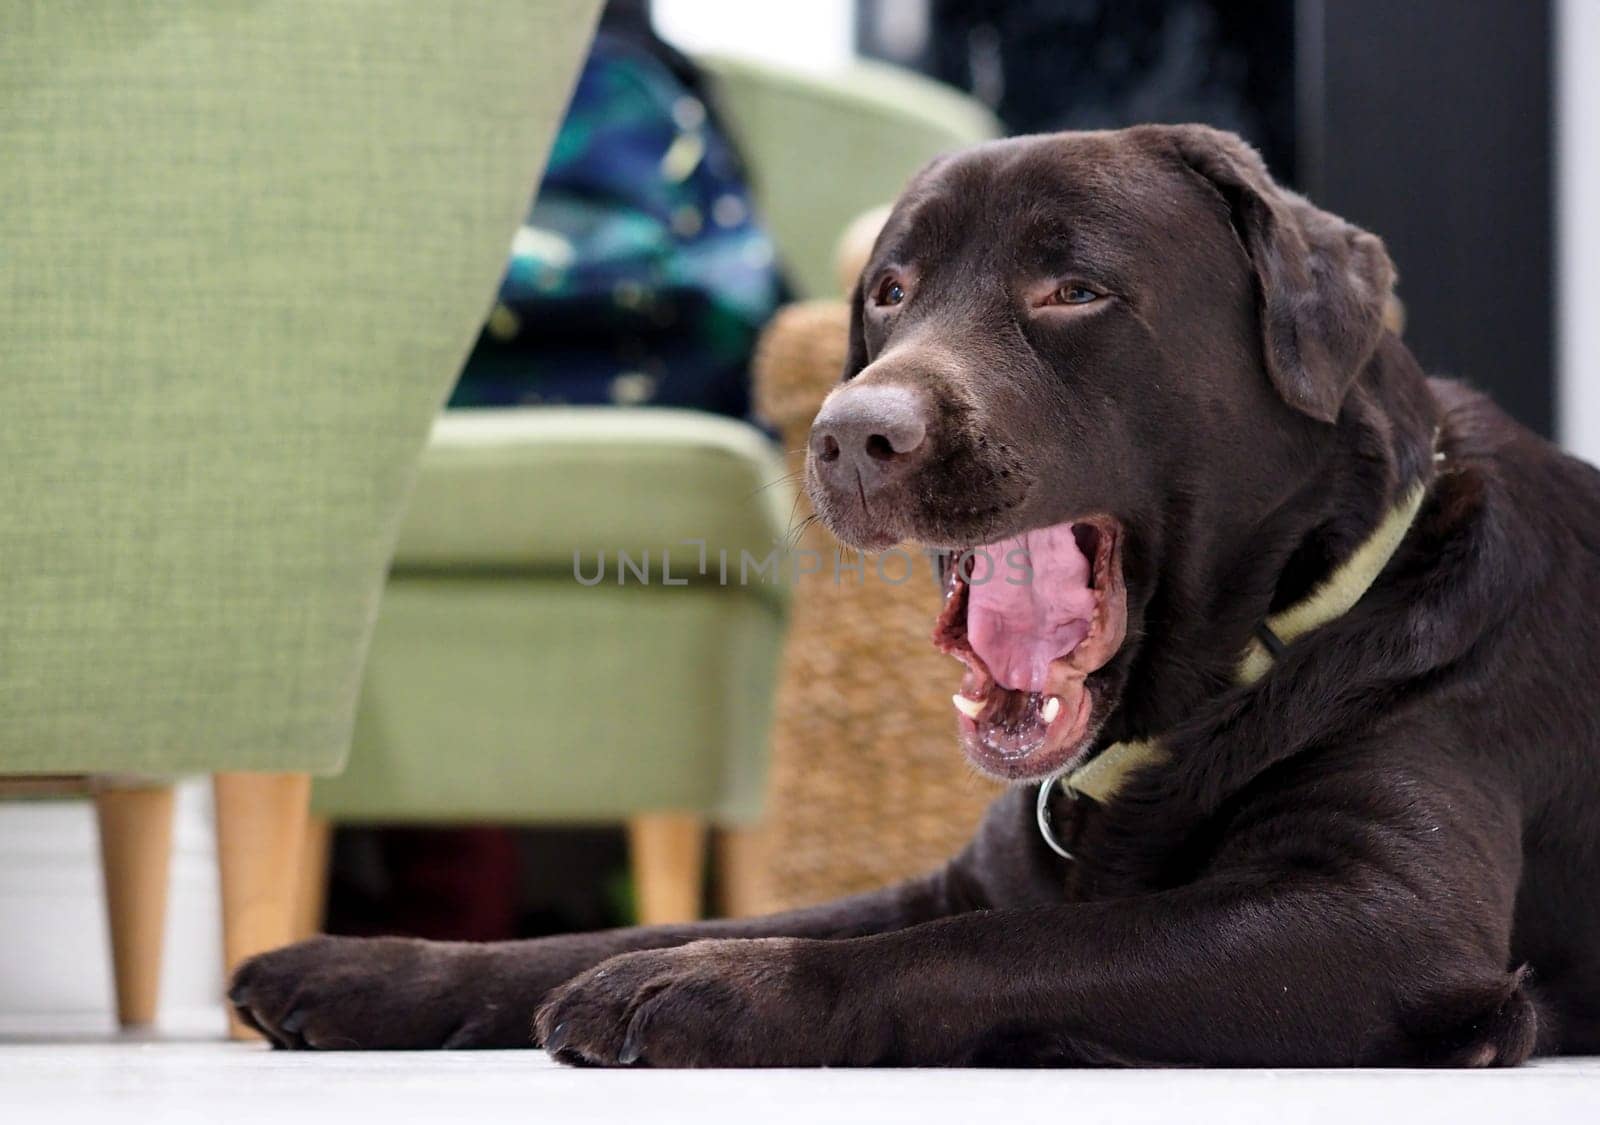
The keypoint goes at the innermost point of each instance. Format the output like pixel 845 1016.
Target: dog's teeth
pixel 971 708
pixel 1051 708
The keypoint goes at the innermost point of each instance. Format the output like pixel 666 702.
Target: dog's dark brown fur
pixel 1383 852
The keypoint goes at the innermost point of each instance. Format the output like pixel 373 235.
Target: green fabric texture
pixel 528 701
pixel 500 687
pixel 523 489
pixel 825 148
pixel 244 247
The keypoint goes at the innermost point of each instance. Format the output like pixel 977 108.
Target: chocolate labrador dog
pixel 1331 628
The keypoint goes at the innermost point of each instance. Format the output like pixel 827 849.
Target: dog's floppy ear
pixel 1322 283
pixel 855 356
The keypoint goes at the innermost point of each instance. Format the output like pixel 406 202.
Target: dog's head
pixel 1078 364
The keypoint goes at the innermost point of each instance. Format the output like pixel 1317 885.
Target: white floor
pixel 65 1078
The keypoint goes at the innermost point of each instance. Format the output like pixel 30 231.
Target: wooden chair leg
pixel 311 888
pixel 261 826
pixel 668 854
pixel 135 852
pixel 741 872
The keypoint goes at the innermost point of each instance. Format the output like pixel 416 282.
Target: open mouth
pixel 1032 617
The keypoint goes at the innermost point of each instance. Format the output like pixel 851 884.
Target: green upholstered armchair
pixel 502 688
pixel 825 148
pixel 243 251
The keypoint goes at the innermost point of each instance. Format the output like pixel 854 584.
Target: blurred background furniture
pixel 536 659
pixel 825 148
pixel 502 689
pixel 245 249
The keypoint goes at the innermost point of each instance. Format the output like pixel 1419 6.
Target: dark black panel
pixel 1044 65
pixel 1429 122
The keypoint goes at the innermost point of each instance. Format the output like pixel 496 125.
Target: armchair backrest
pixel 824 148
pixel 244 248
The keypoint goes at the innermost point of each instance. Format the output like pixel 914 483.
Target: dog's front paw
pixel 333 993
pixel 749 1002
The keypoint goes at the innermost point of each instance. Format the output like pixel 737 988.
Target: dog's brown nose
pixel 877 432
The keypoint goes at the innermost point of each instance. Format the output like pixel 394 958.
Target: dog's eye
pixel 1072 295
pixel 890 291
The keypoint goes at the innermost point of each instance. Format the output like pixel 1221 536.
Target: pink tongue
pixel 1019 622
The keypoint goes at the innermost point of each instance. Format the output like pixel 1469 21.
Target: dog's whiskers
pixel 786 478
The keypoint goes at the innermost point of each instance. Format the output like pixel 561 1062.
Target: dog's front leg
pixel 346 993
pixel 335 993
pixel 1233 972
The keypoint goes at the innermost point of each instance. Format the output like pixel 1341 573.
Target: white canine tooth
pixel 971 708
pixel 1051 708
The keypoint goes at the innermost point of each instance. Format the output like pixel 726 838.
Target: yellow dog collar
pixel 1103 775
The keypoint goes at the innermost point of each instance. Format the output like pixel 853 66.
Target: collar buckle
pixel 1042 813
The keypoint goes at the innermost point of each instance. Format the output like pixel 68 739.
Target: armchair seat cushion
pixel 520 490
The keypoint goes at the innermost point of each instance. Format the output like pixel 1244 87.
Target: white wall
pixel 1577 51
pixel 815 35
